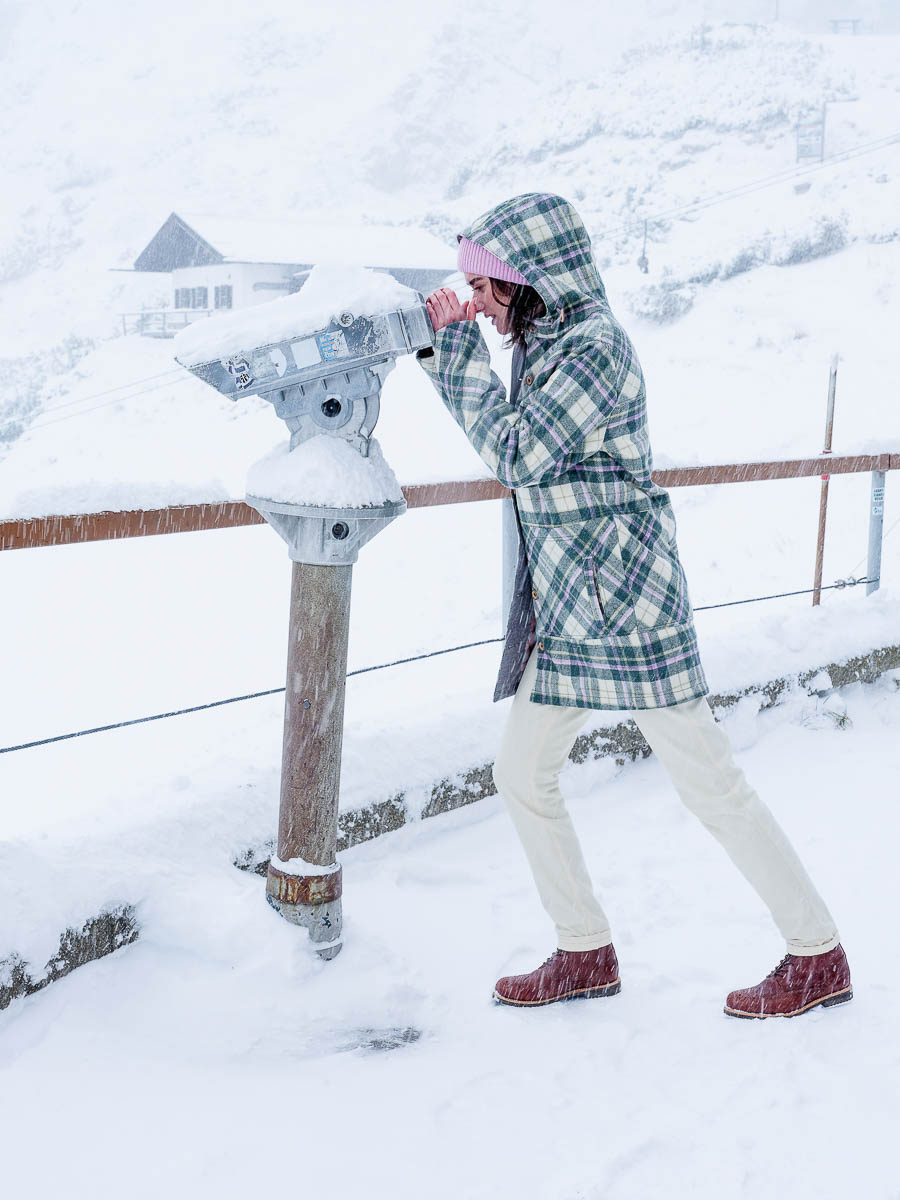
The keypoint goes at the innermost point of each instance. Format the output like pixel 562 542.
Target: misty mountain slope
pixel 419 117
pixel 400 115
pixel 680 123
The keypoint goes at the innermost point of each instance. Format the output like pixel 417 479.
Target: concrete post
pixel 876 532
pixel 304 880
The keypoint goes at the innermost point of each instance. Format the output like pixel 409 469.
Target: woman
pixel 601 617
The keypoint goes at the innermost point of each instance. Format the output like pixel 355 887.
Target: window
pixel 223 296
pixel 198 297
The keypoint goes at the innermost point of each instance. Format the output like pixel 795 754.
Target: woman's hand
pixel 444 307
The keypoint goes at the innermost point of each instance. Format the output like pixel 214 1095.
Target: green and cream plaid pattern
pixel 614 623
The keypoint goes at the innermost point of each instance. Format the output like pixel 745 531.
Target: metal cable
pixel 745 189
pixel 180 712
pixel 82 412
pixel 840 585
pixel 120 387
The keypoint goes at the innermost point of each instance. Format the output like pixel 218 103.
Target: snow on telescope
pixel 321 357
pixel 318 355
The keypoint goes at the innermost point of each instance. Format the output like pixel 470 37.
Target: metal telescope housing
pixel 325 382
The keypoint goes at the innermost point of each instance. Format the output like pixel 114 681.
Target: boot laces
pixel 782 967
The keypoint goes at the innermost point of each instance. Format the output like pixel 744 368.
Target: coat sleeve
pixel 545 435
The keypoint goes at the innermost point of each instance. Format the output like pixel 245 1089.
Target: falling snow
pixel 186 1064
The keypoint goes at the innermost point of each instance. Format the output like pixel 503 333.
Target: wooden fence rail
pixel 31 532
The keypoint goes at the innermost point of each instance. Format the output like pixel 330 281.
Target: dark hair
pixel 524 304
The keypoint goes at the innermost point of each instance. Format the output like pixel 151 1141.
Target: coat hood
pixel 543 237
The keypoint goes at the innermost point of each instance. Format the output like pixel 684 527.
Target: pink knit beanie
pixel 473 259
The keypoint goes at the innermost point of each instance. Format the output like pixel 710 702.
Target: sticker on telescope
pixel 332 345
pixel 279 362
pixel 239 370
pixel 306 353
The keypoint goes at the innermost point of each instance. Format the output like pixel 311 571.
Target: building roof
pixel 193 239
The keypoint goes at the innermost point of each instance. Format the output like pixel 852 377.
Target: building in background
pixel 218 263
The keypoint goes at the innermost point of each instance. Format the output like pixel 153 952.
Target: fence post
pixel 876 531
pixel 823 499
pixel 510 552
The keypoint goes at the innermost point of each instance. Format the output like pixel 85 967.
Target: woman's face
pixel 486 302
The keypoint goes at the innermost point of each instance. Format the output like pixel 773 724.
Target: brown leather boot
pixel 566 975
pixel 797 984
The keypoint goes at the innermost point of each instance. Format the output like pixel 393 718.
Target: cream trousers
pixel 697 755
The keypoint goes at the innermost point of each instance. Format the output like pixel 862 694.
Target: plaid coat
pixel 614 624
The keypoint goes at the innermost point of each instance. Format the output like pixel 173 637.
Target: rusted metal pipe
pixel 23 533
pixel 823 498
pixel 304 878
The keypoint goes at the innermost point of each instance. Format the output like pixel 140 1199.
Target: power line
pixel 83 412
pixel 745 189
pixel 118 388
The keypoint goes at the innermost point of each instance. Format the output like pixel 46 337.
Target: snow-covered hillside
pixel 403 113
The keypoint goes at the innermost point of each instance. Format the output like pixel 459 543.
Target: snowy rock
pixel 820 683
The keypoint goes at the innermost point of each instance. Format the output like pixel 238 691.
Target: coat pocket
pixel 652 572
pixel 604 571
pixel 564 598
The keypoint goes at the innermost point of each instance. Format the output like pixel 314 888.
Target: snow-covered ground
pixel 216 1055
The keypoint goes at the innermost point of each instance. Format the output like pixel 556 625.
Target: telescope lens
pixel 340 531
pixel 331 407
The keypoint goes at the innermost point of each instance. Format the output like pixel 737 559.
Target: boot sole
pixel 611 989
pixel 825 1002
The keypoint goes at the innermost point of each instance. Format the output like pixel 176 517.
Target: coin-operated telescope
pixel 326 496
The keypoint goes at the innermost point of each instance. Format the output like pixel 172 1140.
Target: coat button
pixel 529 379
pixel 540 645
pixel 534 594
